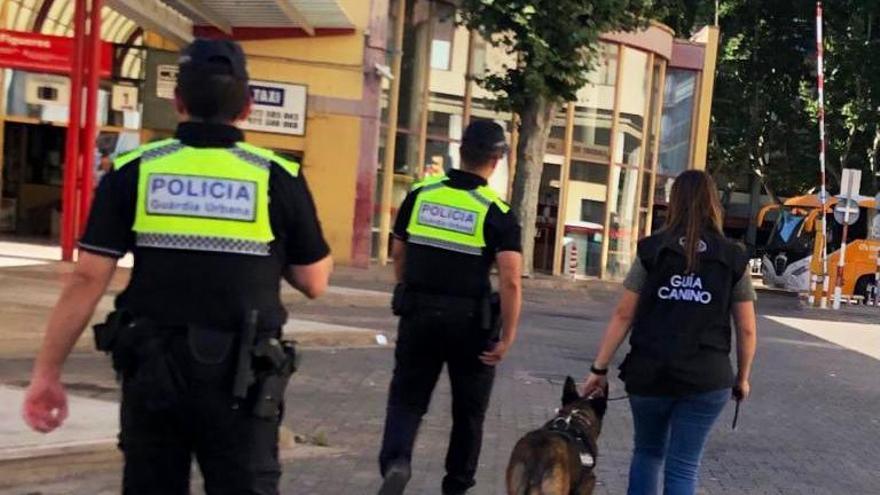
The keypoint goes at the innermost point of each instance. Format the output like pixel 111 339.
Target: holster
pixel 275 361
pixel 402 302
pixel 108 332
pixel 142 359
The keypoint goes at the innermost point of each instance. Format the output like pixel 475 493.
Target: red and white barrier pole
pixel 573 260
pixel 823 192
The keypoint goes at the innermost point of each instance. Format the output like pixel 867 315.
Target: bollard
pixel 573 260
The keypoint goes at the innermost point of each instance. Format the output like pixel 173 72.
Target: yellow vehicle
pixel 793 250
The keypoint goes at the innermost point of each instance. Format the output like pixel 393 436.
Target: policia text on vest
pixel 214 225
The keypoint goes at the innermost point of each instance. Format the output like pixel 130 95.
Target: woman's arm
pixel 617 330
pixel 746 342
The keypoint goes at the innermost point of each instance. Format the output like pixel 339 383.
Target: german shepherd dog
pixel 559 458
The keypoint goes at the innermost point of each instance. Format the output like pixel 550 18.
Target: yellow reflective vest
pixel 452 219
pixel 204 199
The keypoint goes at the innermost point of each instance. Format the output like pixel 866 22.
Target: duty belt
pixel 464 304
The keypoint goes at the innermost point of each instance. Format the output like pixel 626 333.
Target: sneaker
pixel 396 479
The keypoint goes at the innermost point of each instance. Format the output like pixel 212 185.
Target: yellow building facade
pixel 642 119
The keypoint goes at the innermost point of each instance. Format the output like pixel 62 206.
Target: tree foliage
pixel 765 112
pixel 554 44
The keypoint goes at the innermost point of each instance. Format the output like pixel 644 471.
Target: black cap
pixel 485 136
pixel 215 57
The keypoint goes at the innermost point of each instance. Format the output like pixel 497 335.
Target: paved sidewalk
pixel 92 425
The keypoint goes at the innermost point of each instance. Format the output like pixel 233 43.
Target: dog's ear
pixel 569 392
pixel 600 404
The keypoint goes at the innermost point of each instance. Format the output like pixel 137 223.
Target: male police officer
pixel 449 231
pixel 214 224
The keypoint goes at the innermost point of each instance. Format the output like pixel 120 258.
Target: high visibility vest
pixel 452 219
pixel 204 199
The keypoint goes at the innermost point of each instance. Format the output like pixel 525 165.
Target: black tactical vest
pixel 681 314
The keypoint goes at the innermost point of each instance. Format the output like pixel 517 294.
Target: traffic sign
pixel 846 212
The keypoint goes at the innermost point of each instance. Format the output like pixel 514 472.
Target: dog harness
pixel 577 435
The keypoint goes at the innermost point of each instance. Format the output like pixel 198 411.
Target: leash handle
pixel 736 414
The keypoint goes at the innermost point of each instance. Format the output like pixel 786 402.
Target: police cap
pixel 485 136
pixel 215 57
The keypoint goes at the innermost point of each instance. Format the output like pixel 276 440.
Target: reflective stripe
pixel 251 158
pixel 165 150
pixel 447 245
pixel 202 243
pixel 479 197
pixel 290 166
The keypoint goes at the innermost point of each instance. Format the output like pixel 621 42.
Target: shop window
pixel 595 173
pixel 633 101
pixel 592 211
pixel 624 210
pixel 604 71
pixel 677 121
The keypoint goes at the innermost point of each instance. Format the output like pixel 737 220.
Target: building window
pixel 595 173
pixel 677 121
pixel 592 211
pixel 444 34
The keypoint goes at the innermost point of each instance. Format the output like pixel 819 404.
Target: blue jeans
pixel 674 430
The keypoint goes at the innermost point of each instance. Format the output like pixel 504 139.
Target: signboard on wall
pixel 278 108
pixel 124 98
pixel 44 89
pixel 166 80
pixel 161 71
pixel 44 53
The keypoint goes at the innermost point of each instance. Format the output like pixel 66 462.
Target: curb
pixel 8 454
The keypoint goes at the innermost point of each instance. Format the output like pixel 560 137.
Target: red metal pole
pixel 90 133
pixel 71 150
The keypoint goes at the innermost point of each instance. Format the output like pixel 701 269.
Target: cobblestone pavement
pixel 811 427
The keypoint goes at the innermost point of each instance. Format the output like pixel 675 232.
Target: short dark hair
pixel 473 157
pixel 482 141
pixel 212 97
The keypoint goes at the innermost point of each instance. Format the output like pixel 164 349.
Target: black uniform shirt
pixel 437 271
pixel 180 286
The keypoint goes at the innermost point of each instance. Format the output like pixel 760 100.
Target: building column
pixel 709 36
pixel 375 47
pixel 564 179
pixel 391 136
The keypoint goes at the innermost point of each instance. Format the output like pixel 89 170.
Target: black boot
pixel 396 478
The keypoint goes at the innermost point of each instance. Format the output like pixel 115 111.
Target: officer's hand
pixel 742 390
pixel 45 404
pixel 496 355
pixel 594 385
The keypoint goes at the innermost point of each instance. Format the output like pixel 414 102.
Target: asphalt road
pixel 811 426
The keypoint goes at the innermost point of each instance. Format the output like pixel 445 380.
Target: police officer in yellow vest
pixel 214 225
pixel 449 232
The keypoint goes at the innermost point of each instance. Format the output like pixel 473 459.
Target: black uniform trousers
pixel 428 337
pixel 236 451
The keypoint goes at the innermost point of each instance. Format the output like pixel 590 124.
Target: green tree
pixel 765 115
pixel 555 43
